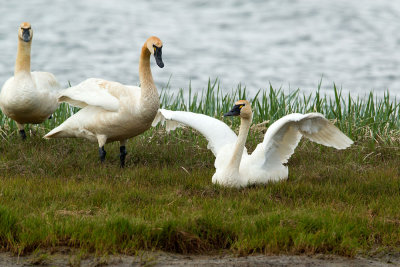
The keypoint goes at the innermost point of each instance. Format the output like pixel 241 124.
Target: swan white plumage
pixel 112 111
pixel 28 97
pixel 234 166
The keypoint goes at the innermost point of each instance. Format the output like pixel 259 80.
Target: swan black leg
pixel 102 154
pixel 122 155
pixel 22 134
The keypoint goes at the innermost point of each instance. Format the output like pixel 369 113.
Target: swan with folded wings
pixel 234 166
pixel 28 97
pixel 112 111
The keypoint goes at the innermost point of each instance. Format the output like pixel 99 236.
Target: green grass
pixel 55 193
pixel 369 116
pixel 360 117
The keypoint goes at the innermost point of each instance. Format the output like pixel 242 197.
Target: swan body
pixel 28 97
pixel 111 111
pixel 234 166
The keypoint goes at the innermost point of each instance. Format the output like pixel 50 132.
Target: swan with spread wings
pixel 234 166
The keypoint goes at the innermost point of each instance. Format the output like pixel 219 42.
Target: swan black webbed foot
pixel 22 134
pixel 122 155
pixel 102 154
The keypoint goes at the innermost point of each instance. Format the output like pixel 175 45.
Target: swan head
pixel 154 44
pixel 242 108
pixel 25 32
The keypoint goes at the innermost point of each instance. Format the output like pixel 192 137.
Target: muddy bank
pixel 170 259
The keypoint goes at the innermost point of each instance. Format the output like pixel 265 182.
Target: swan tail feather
pixel 55 133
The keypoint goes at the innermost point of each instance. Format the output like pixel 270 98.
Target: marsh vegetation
pixel 55 193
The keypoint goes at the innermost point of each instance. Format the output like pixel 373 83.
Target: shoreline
pixel 68 257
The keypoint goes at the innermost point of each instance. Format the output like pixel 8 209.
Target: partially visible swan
pixel 28 97
pixel 112 111
pixel 234 166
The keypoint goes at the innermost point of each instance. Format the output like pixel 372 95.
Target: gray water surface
pixel 288 43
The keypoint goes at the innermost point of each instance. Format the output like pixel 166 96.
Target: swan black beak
pixel 26 36
pixel 235 111
pixel 158 56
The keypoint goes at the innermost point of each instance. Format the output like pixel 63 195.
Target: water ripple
pixel 286 42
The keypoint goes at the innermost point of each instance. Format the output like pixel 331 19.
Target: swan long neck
pixel 149 90
pixel 240 142
pixel 23 62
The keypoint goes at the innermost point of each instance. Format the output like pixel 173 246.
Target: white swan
pixel 28 97
pixel 234 167
pixel 112 111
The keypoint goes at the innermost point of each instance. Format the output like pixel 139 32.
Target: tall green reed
pixel 359 117
pixel 371 116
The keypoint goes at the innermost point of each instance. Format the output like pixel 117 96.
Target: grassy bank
pixel 55 193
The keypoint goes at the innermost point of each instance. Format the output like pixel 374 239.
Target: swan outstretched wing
pixel 217 133
pixel 283 136
pixel 92 92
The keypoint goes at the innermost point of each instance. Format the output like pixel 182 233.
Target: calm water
pixel 355 44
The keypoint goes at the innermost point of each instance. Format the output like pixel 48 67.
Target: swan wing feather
pixel 283 136
pixel 92 92
pixel 217 133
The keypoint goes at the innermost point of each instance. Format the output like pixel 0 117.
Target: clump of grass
pixel 370 117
